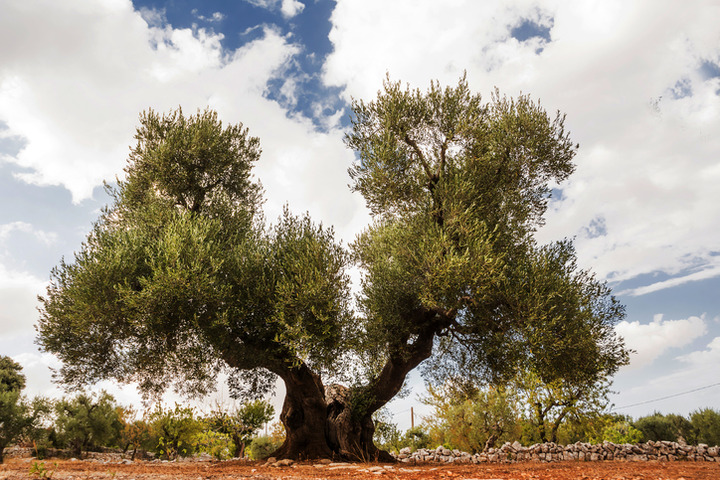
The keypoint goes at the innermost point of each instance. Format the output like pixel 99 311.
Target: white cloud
pixel 215 17
pixel 45 238
pixel 75 98
pixel 288 8
pixel 652 340
pixel 18 298
pixel 648 162
pixel 704 358
pixel 709 270
pixel 36 368
pixel 291 8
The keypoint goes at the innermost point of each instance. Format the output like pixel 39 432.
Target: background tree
pixel 550 404
pixel 387 435
pixel 658 427
pixel 242 423
pixel 134 432
pixel 472 420
pixel 615 428
pixel 17 415
pixel 179 278
pixel 87 421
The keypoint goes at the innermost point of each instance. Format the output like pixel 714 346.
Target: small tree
pixel 550 404
pixel 135 432
pixel 387 434
pixel 87 421
pixel 613 428
pixel 241 424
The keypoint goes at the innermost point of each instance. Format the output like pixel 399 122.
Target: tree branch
pixel 420 155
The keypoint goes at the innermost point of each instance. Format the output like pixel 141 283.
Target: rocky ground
pixel 97 468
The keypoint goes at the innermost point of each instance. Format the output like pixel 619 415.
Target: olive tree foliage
pixel 457 188
pixel 180 279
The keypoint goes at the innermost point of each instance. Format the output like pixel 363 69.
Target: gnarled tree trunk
pixel 350 430
pixel 336 422
pixel 304 415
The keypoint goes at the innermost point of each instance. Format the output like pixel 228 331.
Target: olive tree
pixel 181 278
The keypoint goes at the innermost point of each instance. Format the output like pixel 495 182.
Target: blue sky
pixel 639 81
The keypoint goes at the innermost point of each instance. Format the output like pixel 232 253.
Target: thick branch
pixel 420 155
pixel 404 358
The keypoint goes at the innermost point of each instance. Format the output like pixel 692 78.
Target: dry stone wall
pixel 550 452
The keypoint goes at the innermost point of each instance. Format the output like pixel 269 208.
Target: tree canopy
pixel 180 278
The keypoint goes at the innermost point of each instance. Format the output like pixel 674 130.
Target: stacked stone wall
pixel 551 452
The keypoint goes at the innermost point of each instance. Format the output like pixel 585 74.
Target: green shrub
pixel 261 447
pixel 218 445
pixel 173 431
pixel 621 432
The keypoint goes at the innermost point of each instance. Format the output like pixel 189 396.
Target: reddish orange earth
pixel 611 470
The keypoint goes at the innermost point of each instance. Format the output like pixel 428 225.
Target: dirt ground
pixel 611 470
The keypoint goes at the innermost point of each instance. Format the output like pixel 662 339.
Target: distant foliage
pixel 219 445
pixel 387 435
pixel 706 426
pixel 135 432
pixel 17 415
pixel 664 427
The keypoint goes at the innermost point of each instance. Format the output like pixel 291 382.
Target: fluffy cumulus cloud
pixel 72 88
pixel 641 91
pixel 650 341
pixel 704 358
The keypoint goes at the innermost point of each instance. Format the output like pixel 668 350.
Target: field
pixel 19 468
